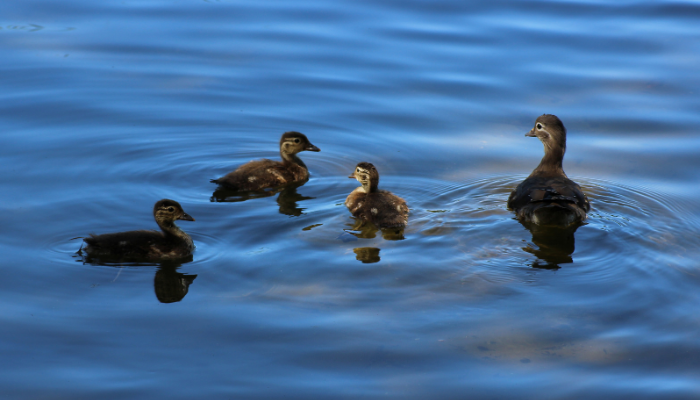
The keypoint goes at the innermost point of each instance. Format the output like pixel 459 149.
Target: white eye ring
pixel 539 126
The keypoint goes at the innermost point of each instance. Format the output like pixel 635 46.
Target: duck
pixel 548 196
pixel 168 244
pixel 262 174
pixel 369 204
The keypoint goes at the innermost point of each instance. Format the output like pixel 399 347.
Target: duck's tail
pixel 80 250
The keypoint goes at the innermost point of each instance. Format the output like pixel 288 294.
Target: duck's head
pixel 294 142
pixel 167 211
pixel 550 130
pixel 367 175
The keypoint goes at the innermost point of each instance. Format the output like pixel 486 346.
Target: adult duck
pixel 548 196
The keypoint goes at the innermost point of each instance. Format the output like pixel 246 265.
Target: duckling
pixel 171 243
pixel 261 174
pixel 548 196
pixel 369 204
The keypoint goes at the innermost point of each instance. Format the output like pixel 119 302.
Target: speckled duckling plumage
pixel 548 196
pixel 168 244
pixel 369 204
pixel 261 174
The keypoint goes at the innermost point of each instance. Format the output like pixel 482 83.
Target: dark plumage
pixel 261 174
pixel 170 243
pixel 369 204
pixel 548 196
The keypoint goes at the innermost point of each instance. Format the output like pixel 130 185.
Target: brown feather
pixel 262 174
pixel 380 207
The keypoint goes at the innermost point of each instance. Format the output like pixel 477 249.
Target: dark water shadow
pixel 287 198
pixel 552 245
pixel 169 285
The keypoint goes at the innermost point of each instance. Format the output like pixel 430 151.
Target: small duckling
pixel 369 204
pixel 171 243
pixel 548 196
pixel 261 174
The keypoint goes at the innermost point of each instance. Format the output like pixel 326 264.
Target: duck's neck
pixel 551 163
pixel 369 187
pixel 288 158
pixel 171 230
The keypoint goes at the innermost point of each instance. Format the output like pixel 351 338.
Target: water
pixel 109 106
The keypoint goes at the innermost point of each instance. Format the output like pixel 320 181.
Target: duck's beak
pixel 311 147
pixel 352 176
pixel 531 133
pixel 185 217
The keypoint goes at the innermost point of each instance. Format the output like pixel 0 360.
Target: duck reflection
pixel 554 245
pixel 287 197
pixel 170 285
pixel 367 255
pixel 287 201
pixel 367 230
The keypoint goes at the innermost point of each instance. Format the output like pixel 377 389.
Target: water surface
pixel 110 106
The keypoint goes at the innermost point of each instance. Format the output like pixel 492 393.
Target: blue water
pixel 107 107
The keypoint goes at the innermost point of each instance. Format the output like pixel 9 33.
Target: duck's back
pixel 138 245
pixel 549 201
pixel 260 174
pixel 382 208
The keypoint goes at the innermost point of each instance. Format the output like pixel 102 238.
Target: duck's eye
pixel 539 126
pixel 171 209
pixel 297 140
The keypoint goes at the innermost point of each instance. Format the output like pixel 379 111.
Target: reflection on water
pixel 111 260
pixel 367 230
pixel 171 286
pixel 223 194
pixel 287 198
pixel 553 245
pixel 287 201
pixel 367 254
pixel 361 230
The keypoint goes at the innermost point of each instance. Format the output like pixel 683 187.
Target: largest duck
pixel 548 196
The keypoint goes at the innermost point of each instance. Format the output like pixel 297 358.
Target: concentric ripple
pixel 627 228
